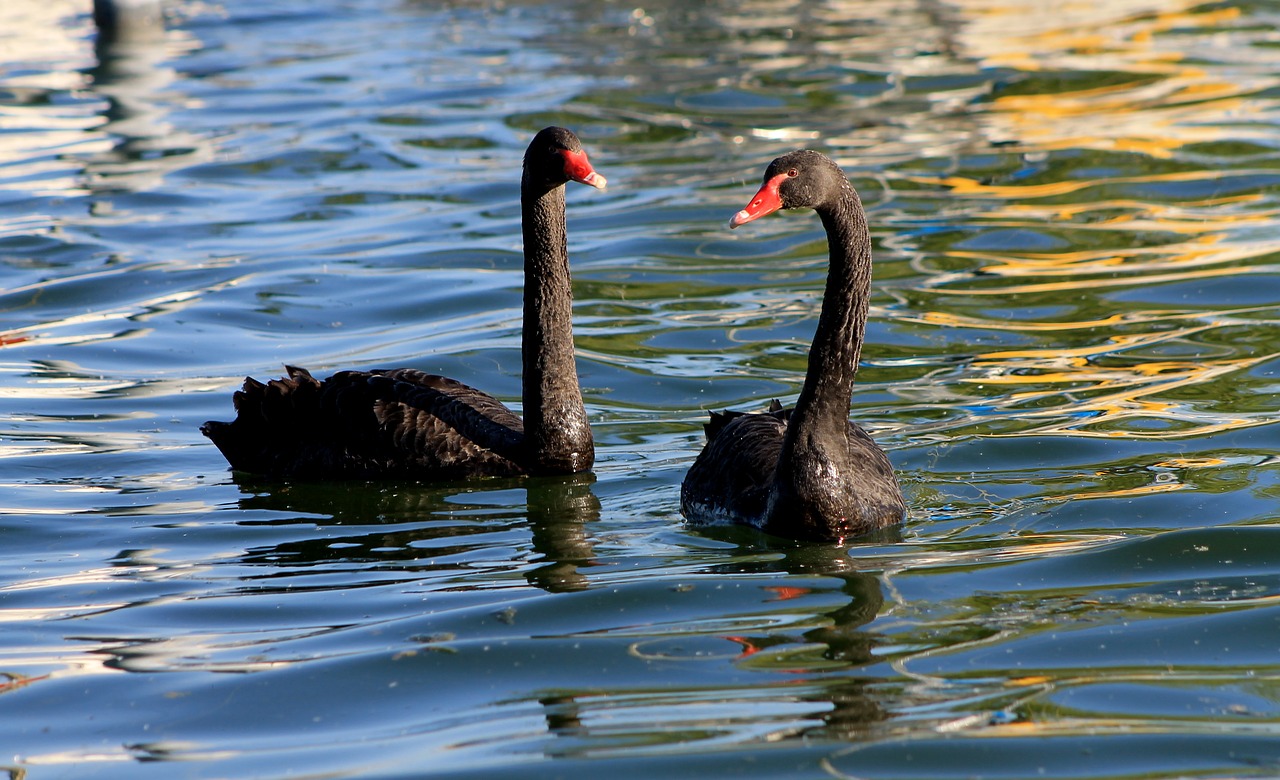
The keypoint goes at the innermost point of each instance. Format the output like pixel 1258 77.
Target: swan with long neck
pixel 403 423
pixel 807 472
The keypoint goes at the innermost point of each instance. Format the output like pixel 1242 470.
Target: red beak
pixel 766 201
pixel 578 168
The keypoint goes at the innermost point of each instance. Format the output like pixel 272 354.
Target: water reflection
pixel 135 77
pixel 806 663
pixel 1072 354
pixel 128 21
pixel 560 511
pixel 435 529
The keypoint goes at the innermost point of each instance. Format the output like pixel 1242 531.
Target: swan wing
pixel 400 423
pixel 729 482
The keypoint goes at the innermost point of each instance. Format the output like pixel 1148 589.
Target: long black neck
pixel 557 436
pixel 817 433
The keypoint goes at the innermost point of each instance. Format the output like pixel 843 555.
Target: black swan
pixel 406 424
pixel 807 472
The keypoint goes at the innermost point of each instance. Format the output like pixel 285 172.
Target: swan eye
pixel 793 173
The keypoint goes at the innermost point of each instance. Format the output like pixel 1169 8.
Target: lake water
pixel 1071 361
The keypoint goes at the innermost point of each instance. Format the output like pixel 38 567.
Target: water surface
pixel 1071 360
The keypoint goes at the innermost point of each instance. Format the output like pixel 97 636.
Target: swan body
pixel 407 424
pixel 807 472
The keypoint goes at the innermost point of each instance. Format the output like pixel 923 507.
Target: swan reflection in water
pixel 411 537
pixel 431 528
pixel 808 675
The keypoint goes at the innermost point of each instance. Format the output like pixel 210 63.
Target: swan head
pixel 555 157
pixel 802 179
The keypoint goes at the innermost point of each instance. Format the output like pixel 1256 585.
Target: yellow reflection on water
pixel 968 187
pixel 963 321
pixel 1077 284
pixel 1169 97
pixel 1096 397
pixel 1132 178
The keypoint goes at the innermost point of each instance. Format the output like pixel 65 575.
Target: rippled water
pixel 1072 361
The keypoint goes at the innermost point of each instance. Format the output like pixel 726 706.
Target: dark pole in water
pixel 128 20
